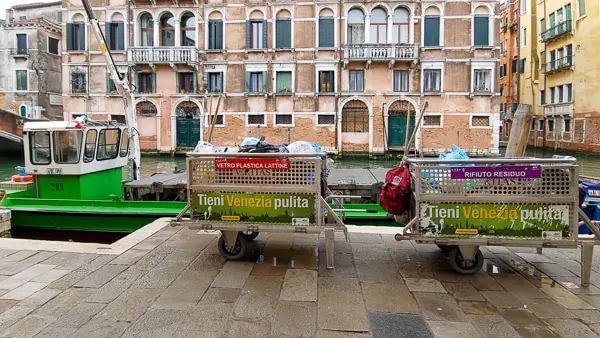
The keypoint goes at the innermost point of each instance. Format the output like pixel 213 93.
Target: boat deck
pixel 171 282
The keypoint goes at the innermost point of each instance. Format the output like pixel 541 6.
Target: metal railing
pixel 381 51
pixel 558 64
pixel 556 31
pixel 162 54
pixel 19 52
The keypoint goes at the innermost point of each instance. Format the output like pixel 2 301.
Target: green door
pixel 397 130
pixel 188 132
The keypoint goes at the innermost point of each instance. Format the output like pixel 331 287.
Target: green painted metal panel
pixel 397 130
pixel 99 185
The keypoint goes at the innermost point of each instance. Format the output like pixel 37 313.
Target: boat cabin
pixel 76 160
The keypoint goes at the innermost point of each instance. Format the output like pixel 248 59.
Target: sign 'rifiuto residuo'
pixel 506 172
pixel 508 220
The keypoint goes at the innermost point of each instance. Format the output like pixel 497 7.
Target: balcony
pixel 561 64
pixel 19 53
pixel 557 31
pixel 163 55
pixel 565 108
pixel 386 52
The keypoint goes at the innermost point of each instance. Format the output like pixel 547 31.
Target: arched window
pixel 283 30
pixel 356 26
pixel 355 117
pixel 215 31
pixel 400 26
pixel 188 30
pixel 167 30
pixel 146 30
pixel 432 27
pixel 481 27
pixel 326 28
pixel 115 32
pixel 378 30
pixel 256 31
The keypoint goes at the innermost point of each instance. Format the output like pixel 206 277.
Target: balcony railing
pixel 482 88
pixel 19 52
pixel 556 31
pixel 559 109
pixel 558 64
pixel 162 55
pixel 381 51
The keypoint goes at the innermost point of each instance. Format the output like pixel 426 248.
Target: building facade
pixel 30 61
pixel 349 76
pixel 559 68
pixel 509 64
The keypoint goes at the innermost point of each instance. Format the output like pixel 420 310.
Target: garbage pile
pixel 254 145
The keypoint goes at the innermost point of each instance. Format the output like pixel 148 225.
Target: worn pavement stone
pixel 186 291
pixel 70 260
pixel 251 306
pixel 392 325
pixel 588 316
pixel 478 308
pixel 156 323
pixel 344 266
pixel 394 298
pixel 536 332
pixel 130 257
pixel 50 276
pixel 520 317
pixel 436 306
pixel 64 302
pixel 501 299
pixel 327 284
pixel 484 282
pixel 79 315
pixel 208 318
pixel 266 285
pixel 424 285
pixel 27 263
pixel 161 276
pixel 567 299
pixel 111 290
pixel 464 291
pixel 233 275
pixel 221 295
pixel 208 262
pixel 343 311
pixel 18 256
pixel 445 329
pixel 341 334
pixel 27 327
pixel 295 319
pixel 299 285
pixel 378 272
pixel 493 326
pixel 130 305
pixel 13 315
pixel 572 328
pixel 519 287
pixel 101 328
pixel 55 332
pixel 239 328
pixel 73 277
pixel 101 276
pixel 24 291
pixel 25 276
pixel 548 309
pixel 370 252
pixel 6 304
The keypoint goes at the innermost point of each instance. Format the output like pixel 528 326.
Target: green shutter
pixel 81 36
pixel 326 32
pixel 552 21
pixel 264 84
pixel 69 36
pixel 581 5
pixel 331 81
pixel 121 36
pixel 211 35
pixel 482 29
pixel 108 35
pixel 247 82
pixel 177 81
pixel 283 38
pixel 543 25
pixel 265 34
pixel 432 31
pixel 219 35
pixel 248 42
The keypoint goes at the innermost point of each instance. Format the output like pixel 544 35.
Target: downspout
pixel 339 75
pixel 543 110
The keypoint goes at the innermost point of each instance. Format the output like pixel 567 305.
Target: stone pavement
pixel 175 284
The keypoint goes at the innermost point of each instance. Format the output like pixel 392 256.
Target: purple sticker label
pixel 507 172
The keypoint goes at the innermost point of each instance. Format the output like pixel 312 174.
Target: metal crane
pixel 125 90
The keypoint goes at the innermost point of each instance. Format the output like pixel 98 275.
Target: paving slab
pixel 501 299
pixel 344 266
pixel 520 317
pixel 264 285
pixel 493 326
pixel 161 276
pixel 378 272
pixel 446 329
pixel 536 332
pixel 463 291
pixel 342 334
pixel 567 299
pixel 40 298
pixel 478 308
pixel 240 328
pixel 484 282
pixel 299 285
pixel 111 290
pixel 101 276
pixel 253 307
pixel 208 318
pixel 28 326
pixel 233 275
pixel 25 276
pixel 370 252
pixel 55 332
pixel 424 285
pixel 344 311
pixel 519 287
pixel 437 306
pixel 130 305
pixel 79 315
pixel 186 291
pixel 101 328
pixel 548 309
pixel 130 257
pixel 221 295
pixel 393 325
pixel 571 328
pixel 208 262
pixel 295 319
pixel 18 256
pixel 24 291
pixel 13 315
pixel 64 302
pixel 50 276
pixel 392 298
pixel 6 304
pixel 70 260
pixel 156 323
pixel 587 316
pixel 26 263
pixel 327 284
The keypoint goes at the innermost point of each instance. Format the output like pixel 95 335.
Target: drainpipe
pixel 543 110
pixel 339 74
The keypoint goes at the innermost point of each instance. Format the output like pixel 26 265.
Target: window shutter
pixel 81 36
pixel 326 32
pixel 177 80
pixel 248 42
pixel 264 82
pixel 121 36
pixel 219 34
pixel 283 33
pixel 331 81
pixel 247 82
pixel 69 36
pixel 482 30
pixel 108 35
pixel 265 34
pixel 432 31
pixel 154 82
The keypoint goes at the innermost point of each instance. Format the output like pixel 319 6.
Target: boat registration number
pixel 53 171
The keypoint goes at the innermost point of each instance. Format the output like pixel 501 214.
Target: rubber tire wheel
pixel 239 250
pixel 249 236
pixel 445 248
pixel 462 266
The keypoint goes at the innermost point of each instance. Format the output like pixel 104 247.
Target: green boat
pixel 77 182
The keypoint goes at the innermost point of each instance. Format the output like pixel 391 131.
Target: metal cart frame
pixel 432 185
pixel 302 178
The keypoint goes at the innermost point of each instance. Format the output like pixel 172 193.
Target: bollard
pixel 4 220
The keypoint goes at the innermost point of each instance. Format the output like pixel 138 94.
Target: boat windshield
pixel 67 146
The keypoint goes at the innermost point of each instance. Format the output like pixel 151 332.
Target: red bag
pixel 394 196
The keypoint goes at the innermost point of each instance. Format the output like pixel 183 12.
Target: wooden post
pixel 414 133
pixel 519 133
pixel 214 120
pixel 407 126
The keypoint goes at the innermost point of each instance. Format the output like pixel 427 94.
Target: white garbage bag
pixel 205 148
pixel 249 141
pixel 301 147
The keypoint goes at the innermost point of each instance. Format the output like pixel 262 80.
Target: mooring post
pixel 587 252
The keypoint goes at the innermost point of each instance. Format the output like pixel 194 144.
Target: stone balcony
pixel 380 52
pixel 163 55
pixel 565 108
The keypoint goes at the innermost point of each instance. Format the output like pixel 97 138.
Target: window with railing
pixel 557 30
pixel 482 81
pixel 215 82
pixel 78 82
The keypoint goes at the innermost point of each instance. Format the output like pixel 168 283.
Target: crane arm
pixel 124 88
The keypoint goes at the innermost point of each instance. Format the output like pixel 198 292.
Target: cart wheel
pixel 465 266
pixel 445 248
pixel 237 252
pixel 249 235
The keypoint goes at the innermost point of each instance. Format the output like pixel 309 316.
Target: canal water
pixel 589 162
